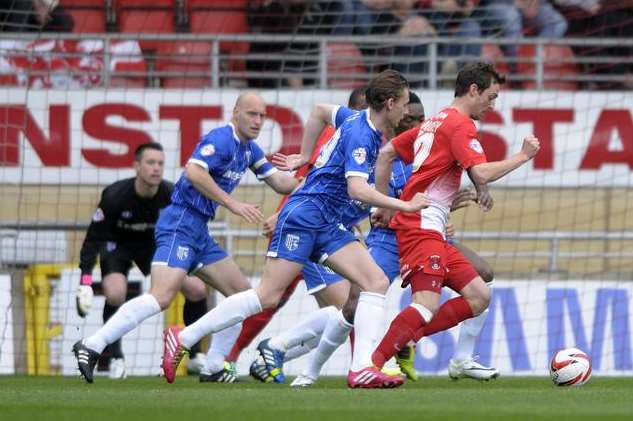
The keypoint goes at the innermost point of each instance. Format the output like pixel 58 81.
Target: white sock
pixel 307 329
pixel 232 310
pixel 301 349
pixel 335 334
pixel 221 344
pixel 468 333
pixel 370 309
pixel 127 317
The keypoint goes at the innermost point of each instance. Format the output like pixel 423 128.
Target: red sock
pixel 451 313
pixel 252 326
pixel 401 331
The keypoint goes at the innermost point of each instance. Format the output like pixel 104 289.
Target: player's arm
pixel 384 167
pixel 320 117
pixel 200 178
pixel 491 171
pixel 282 182
pixel 359 189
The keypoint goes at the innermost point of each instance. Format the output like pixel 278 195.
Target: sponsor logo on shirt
pixel 292 242
pixel 476 146
pixel 207 150
pixel 98 215
pixel 182 253
pixel 359 155
pixel 126 214
pixel 110 246
pixel 233 175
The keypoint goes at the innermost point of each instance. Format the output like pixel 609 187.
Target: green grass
pixel 151 399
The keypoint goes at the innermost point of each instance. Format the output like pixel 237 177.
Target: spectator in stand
pixel 541 19
pixel 34 16
pixel 602 19
pixel 296 17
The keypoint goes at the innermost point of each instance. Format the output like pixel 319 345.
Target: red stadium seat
pixel 558 61
pixel 345 59
pixel 146 16
pixel 493 54
pixel 190 60
pixel 89 15
pixel 221 17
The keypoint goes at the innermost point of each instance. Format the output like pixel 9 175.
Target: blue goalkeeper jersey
pixel 226 158
pixel 352 151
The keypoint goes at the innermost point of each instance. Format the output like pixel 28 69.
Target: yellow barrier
pixel 38 328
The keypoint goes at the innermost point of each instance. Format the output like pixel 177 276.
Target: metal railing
pixel 223 230
pixel 433 78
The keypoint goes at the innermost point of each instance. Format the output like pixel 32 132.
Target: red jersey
pixel 440 149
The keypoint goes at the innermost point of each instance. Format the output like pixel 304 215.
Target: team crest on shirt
pixel 359 155
pixel 126 214
pixel 98 215
pixel 476 146
pixel 207 150
pixel 182 253
pixel 292 242
pixel 434 262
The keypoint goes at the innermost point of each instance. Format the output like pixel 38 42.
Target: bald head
pixel 248 115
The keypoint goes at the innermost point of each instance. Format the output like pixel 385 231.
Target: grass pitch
pixel 151 399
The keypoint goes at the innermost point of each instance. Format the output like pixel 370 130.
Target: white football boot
pixel 470 368
pixel 302 381
pixel 117 369
pixel 196 363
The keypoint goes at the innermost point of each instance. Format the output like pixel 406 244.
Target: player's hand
pixel 250 213
pixel 463 199
pixel 380 218
pixel 530 146
pixel 417 202
pixel 449 230
pixel 269 224
pixel 288 162
pixel 484 199
pixel 83 299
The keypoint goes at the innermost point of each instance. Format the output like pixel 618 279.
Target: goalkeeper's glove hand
pixel 84 295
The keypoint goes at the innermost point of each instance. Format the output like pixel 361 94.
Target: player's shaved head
pixel 249 114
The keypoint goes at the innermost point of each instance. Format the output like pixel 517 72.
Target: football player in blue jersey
pixel 310 228
pixel 183 244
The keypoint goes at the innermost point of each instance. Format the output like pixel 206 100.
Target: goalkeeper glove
pixel 84 295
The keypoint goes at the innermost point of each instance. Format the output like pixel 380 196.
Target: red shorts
pixel 442 264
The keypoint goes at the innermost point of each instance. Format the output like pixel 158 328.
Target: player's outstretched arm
pixel 282 182
pixel 202 181
pixel 384 166
pixel 491 171
pixel 358 189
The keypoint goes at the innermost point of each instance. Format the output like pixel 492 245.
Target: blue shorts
pixel 317 277
pixel 303 233
pixel 383 247
pixel 183 240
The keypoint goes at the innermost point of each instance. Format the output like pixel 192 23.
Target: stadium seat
pixel 189 61
pixel 221 17
pixel 493 54
pixel 558 61
pixel 89 15
pixel 146 16
pixel 345 65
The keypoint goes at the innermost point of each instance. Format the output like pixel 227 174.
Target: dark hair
pixel 358 98
pixel 480 73
pixel 387 84
pixel 138 153
pixel 414 98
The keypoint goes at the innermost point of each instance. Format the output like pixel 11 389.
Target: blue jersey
pixel 352 151
pixel 226 158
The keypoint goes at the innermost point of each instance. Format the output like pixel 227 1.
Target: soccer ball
pixel 570 367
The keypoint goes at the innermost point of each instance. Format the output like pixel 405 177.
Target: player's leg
pixel 463 364
pixel 252 326
pixel 115 291
pixel 225 276
pixel 195 293
pixel 354 263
